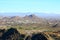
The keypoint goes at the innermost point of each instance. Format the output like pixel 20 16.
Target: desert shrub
pixel 11 34
pixel 37 36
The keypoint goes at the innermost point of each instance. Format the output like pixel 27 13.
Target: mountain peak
pixel 32 15
pixel 16 17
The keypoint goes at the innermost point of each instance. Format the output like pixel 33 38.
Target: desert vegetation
pixel 14 34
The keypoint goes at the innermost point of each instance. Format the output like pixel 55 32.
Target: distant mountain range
pixel 27 18
pixel 46 19
pixel 29 13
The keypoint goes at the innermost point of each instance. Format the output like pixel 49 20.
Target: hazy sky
pixel 45 6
